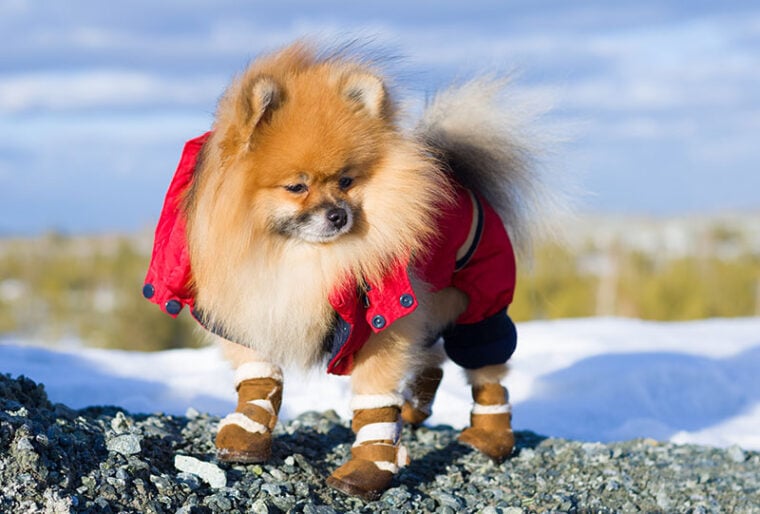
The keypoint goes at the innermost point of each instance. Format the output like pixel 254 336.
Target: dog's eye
pixel 297 188
pixel 345 182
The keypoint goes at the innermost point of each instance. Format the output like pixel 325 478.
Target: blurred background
pixel 661 98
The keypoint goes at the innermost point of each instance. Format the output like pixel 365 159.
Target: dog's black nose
pixel 337 216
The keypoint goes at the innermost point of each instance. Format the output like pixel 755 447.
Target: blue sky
pixel 96 98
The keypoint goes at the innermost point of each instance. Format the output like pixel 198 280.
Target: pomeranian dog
pixel 308 227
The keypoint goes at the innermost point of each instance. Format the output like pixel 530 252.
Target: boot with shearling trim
pixel 376 455
pixel 490 428
pixel 420 395
pixel 246 434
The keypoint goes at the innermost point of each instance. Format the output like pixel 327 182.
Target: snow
pixel 598 379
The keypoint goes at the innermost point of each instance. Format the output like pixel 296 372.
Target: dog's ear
pixel 261 99
pixel 368 92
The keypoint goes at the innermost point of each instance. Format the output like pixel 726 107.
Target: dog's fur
pixel 308 179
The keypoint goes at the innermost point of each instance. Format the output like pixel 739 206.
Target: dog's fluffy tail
pixel 488 137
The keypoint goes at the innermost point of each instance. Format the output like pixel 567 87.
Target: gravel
pixel 55 459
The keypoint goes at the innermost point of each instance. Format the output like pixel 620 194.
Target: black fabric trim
pixel 461 263
pixel 336 337
pixel 432 340
pixel 491 341
pixel 214 328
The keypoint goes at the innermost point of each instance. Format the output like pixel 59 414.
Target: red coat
pixel 486 273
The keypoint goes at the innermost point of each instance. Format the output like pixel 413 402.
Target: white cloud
pixel 58 91
pixel 73 132
pixel 691 65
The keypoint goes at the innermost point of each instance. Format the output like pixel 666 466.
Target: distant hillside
pixel 56 287
pixel 650 268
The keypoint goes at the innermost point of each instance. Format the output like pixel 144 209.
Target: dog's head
pixel 315 143
pixel 302 144
pixel 306 150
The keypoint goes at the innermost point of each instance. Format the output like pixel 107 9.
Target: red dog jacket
pixel 483 334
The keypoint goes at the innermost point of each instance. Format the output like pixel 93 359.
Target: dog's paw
pixel 497 445
pixel 234 444
pixel 362 478
pixel 413 416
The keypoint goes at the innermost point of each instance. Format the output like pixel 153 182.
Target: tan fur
pixel 496 136
pixel 236 354
pixel 384 360
pixel 486 375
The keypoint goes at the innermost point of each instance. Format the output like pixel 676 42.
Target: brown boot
pixel 490 428
pixel 420 395
pixel 376 455
pixel 246 434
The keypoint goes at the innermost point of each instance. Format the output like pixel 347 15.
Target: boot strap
pixel 503 408
pixel 241 420
pixel 264 404
pixel 388 431
pixel 376 401
pixel 387 457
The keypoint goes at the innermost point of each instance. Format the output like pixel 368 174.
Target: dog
pixel 309 228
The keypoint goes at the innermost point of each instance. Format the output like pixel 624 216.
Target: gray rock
pixel 260 507
pixel 218 503
pixel 735 453
pixel 272 489
pixel 206 471
pixel 448 500
pixel 278 475
pixel 126 444
pixel 120 424
pixel 24 444
pixel 162 483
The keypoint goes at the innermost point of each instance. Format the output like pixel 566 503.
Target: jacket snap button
pixel 406 300
pixel 149 290
pixel 173 307
pixel 378 321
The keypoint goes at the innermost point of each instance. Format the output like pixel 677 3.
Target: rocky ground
pixel 101 459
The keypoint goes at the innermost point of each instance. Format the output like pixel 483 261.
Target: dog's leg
pixel 490 429
pixel 376 455
pixel 444 307
pixel 246 434
pixel 420 390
